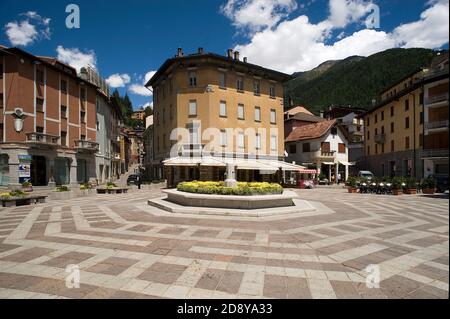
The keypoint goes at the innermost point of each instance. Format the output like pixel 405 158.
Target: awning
pixel 247 164
pixel 345 163
pixel 329 163
pixel 285 166
pixel 183 161
pixel 211 161
pixel 307 171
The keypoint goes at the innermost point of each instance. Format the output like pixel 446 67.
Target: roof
pixel 307 118
pixel 310 131
pixel 298 109
pixel 213 57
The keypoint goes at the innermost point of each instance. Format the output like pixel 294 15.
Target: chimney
pixel 236 55
pixel 230 53
pixel 201 50
pixel 245 59
pixel 180 52
pixel 321 114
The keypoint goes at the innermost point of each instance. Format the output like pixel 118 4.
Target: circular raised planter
pixel 230 201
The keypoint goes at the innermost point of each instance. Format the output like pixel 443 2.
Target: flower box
pixel 411 191
pixel 352 190
pixel 429 191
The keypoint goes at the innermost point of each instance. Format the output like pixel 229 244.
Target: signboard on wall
pixel 24 168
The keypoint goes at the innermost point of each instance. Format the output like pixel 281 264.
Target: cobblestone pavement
pixel 127 249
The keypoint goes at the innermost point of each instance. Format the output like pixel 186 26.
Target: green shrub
pixel 428 183
pixel 397 182
pixel 352 181
pixel 411 183
pixel 26 184
pixel 242 189
pixel 63 188
pixel 85 186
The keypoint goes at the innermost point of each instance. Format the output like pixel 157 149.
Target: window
pixel 272 91
pixel 382 148
pixel 341 148
pixel 273 117
pixel 392 111
pixel 257 114
pixel 406 122
pixel 39 129
pixel 223 138
pixel 392 146
pixel 420 139
pixel 376 148
pixel 63 111
pixel 421 98
pixel 382 129
pixel 240 111
pixel 40 76
pixel 64 86
pixel 258 141
pixel 83 137
pixel 406 105
pixel 382 115
pixel 392 127
pixel 164 116
pixel 421 118
pixel 193 108
pixel 306 147
pixel 223 109
pixel 222 80
pixel 407 142
pixel 83 94
pixel 171 112
pixel 241 140
pixel 368 121
pixel 39 105
pixel 63 138
pixel 368 135
pixel 293 148
pixel 82 117
pixel 1 132
pixel 376 132
pixel 376 118
pixel 1 100
pixel 192 78
pixel 240 84
pixel 273 143
pixel 257 87
pixel 368 150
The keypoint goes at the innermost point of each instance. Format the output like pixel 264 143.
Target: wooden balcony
pixel 41 140
pixel 86 146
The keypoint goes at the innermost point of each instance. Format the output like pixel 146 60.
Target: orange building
pixel 47 121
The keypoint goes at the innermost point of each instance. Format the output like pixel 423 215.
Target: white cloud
pixel 343 12
pixel 140 89
pixel 257 14
pixel 28 30
pixel 22 33
pixel 75 58
pixel 118 80
pixel 146 105
pixel 299 45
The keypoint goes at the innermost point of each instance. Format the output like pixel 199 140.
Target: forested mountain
pixel 355 80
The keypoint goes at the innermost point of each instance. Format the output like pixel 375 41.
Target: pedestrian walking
pixel 339 178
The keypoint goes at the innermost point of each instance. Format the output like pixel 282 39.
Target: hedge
pixel 242 189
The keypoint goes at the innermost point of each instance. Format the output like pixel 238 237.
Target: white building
pixel 322 146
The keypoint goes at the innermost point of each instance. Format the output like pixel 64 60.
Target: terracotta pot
pixel 429 191
pixel 352 190
pixel 411 191
pixel 397 192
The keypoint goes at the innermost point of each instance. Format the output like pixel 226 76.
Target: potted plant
pixel 428 185
pixel 352 183
pixel 86 189
pixel 61 193
pixel 397 185
pixel 411 186
pixel 27 186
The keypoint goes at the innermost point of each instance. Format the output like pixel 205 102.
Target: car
pixel 133 178
pixel 441 183
pixel 365 174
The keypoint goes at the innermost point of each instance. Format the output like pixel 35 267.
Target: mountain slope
pixel 355 80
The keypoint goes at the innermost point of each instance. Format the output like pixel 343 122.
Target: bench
pixel 112 190
pixel 22 201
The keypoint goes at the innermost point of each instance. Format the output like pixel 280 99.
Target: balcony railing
pixel 436 152
pixel 327 153
pixel 380 138
pixel 42 139
pixel 436 125
pixel 436 98
pixel 88 146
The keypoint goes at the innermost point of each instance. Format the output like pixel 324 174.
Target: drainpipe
pixel 414 134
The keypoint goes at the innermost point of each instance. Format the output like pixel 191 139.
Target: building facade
pixel 395 129
pixel 148 158
pixel 222 106
pixel 321 146
pixel 47 121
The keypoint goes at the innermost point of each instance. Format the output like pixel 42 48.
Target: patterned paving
pixel 127 249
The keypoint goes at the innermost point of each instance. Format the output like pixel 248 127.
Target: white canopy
pixel 345 163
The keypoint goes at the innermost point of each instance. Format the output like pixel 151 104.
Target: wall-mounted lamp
pixel 19 118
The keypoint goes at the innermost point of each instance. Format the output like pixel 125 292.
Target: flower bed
pixel 218 188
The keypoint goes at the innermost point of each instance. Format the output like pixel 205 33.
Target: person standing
pixel 339 178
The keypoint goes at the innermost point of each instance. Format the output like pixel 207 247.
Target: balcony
pixel 435 125
pixel 380 138
pixel 86 146
pixel 434 99
pixel 42 140
pixel 326 154
pixel 435 153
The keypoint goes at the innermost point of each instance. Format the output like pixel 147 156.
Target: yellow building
pixel 222 107
pixel 395 128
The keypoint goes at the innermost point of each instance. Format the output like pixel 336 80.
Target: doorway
pixel 39 171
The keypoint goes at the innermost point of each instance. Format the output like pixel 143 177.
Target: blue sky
pixel 127 41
